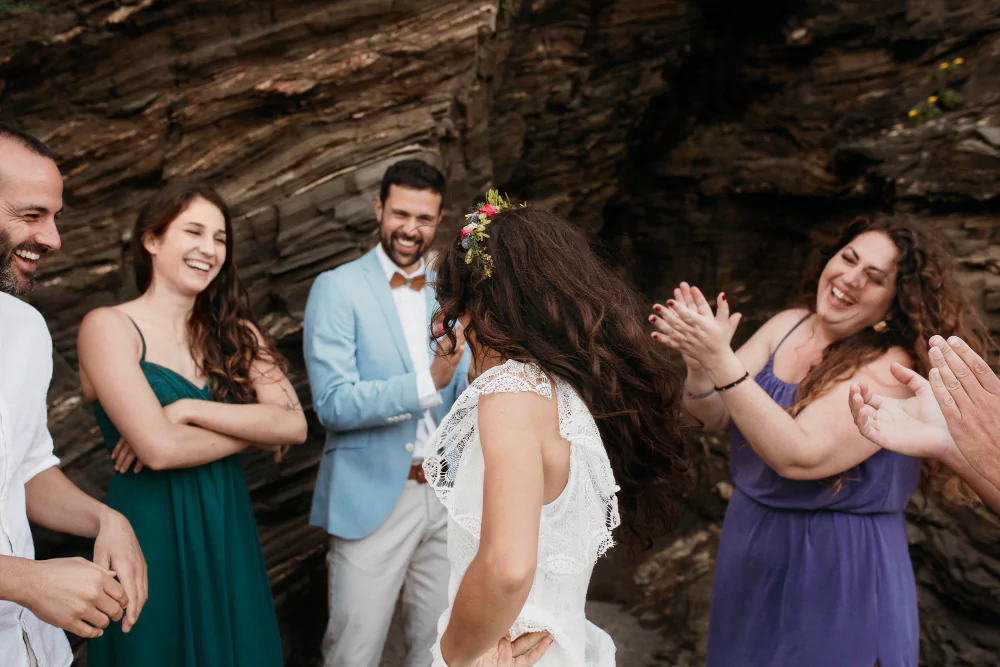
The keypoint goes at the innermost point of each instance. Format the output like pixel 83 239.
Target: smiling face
pixel 30 200
pixel 192 250
pixel 408 220
pixel 858 284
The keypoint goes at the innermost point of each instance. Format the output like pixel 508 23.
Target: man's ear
pixel 377 202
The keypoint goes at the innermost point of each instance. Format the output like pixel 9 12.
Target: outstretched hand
pixel 688 325
pixel 912 426
pixel 524 651
pixel 968 392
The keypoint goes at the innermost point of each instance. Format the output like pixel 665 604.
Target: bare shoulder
pixel 780 324
pixel 106 320
pixel 517 412
pixel 878 372
pixel 789 317
pixel 526 403
pixel 107 327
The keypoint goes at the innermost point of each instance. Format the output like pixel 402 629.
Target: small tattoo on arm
pixel 292 405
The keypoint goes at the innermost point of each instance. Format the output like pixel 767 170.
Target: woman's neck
pixel 825 335
pixel 169 308
pixel 485 359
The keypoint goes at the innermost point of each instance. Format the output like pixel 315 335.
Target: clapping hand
pixel 913 426
pixel 958 408
pixel 968 392
pixel 688 325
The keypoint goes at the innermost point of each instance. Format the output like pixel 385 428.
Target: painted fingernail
pixel 936 353
pixel 955 341
pixel 723 296
pixel 658 307
pixel 652 318
pixel 670 302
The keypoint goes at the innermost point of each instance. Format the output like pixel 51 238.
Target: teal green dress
pixel 210 602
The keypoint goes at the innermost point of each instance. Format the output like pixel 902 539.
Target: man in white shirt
pixel 39 597
pixel 380 390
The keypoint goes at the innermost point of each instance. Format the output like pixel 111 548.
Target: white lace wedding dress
pixel 575 528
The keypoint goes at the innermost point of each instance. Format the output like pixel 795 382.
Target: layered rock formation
pixel 709 141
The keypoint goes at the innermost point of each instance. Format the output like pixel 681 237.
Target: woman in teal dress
pixel 182 380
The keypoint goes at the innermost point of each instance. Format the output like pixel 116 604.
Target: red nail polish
pixel 670 302
pixel 723 296
pixel 652 318
pixel 657 308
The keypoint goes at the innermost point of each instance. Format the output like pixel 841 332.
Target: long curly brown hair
pixel 929 300
pixel 222 342
pixel 552 302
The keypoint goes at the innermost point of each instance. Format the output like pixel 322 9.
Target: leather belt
pixel 417 473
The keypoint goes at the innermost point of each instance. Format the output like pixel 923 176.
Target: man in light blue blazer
pixel 380 389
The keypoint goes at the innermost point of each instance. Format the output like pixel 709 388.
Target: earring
pixel 881 327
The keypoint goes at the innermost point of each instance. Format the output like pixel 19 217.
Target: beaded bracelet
pixel 746 374
pixel 698 396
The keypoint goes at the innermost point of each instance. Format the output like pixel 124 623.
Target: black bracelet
pixel 733 384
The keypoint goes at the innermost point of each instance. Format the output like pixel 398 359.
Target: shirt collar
pixel 390 267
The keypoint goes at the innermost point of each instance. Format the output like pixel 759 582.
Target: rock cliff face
pixel 709 141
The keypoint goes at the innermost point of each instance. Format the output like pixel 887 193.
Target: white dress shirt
pixel 25 451
pixel 411 305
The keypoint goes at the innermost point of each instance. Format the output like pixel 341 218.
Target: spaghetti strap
pixel 790 332
pixel 141 337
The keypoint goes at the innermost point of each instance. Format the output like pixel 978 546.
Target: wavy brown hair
pixel 929 300
pixel 550 301
pixel 222 341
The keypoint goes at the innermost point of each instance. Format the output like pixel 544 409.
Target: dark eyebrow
pixel 857 257
pixel 35 207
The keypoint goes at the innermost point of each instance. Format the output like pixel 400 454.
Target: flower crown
pixel 473 236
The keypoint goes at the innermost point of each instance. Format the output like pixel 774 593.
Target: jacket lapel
pixel 383 297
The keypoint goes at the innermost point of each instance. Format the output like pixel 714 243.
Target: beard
pixel 402 261
pixel 10 282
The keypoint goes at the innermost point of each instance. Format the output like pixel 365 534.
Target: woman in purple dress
pixel 813 567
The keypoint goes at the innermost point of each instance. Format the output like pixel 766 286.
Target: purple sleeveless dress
pixel 811 576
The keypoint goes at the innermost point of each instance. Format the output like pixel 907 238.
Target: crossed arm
pixel 160 442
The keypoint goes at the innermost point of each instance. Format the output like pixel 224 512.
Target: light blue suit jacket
pixel 364 391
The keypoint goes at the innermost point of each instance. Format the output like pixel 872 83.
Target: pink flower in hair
pixel 468 229
pixel 488 209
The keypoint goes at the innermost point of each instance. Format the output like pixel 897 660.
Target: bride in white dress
pixel 534 485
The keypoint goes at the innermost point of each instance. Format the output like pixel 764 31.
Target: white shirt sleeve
pixel 39 456
pixel 430 397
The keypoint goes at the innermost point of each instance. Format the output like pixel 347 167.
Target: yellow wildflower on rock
pixel 932 99
pixel 943 65
pixel 913 112
pixel 958 61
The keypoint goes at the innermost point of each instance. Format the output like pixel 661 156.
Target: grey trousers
pixel 408 553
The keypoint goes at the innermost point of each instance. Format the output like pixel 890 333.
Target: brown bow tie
pixel 416 282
